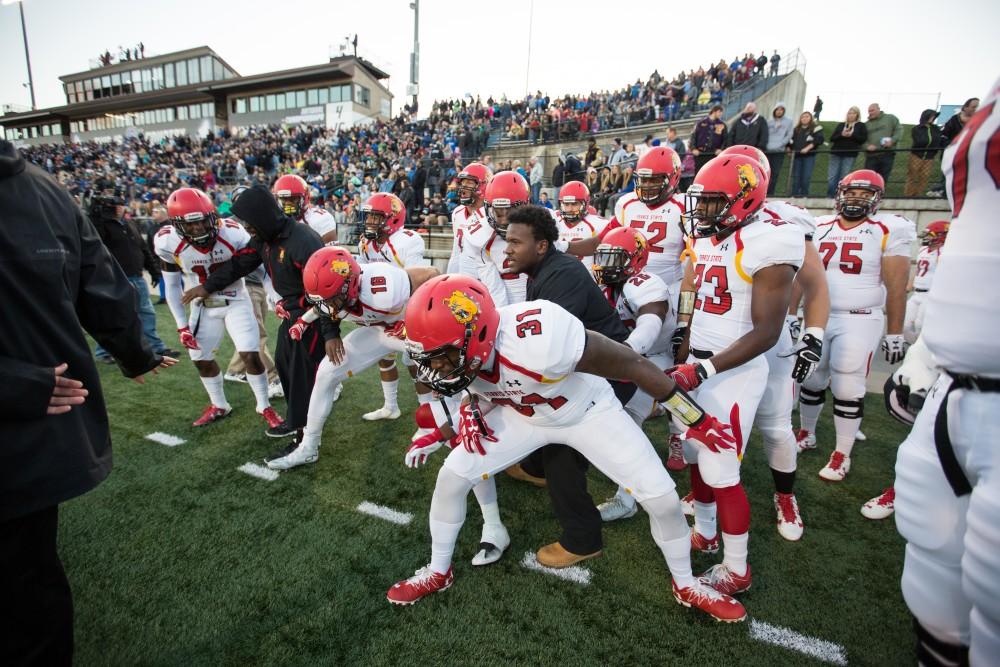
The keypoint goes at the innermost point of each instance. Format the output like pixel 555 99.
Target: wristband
pixel 815 332
pixel 706 368
pixel 686 305
pixel 682 406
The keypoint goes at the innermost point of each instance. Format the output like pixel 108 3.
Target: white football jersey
pixel 320 221
pixel 385 289
pixel 853 257
pixel 783 210
pixel 587 227
pixel 198 264
pixel 724 278
pixel 461 218
pixel 927 261
pixel 532 371
pixel 662 228
pixel 404 248
pixel 962 320
pixel 483 259
pixel 638 291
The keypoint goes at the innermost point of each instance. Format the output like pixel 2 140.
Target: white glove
pixel 421 449
pixel 894 348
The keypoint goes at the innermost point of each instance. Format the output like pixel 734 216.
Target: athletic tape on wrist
pixel 686 303
pixel 682 406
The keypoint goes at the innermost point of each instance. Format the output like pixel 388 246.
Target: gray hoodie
pixel 779 130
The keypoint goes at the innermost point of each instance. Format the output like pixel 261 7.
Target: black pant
pixel 296 362
pixel 881 163
pixel 565 469
pixel 34 594
pixel 776 160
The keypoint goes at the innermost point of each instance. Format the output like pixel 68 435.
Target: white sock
pixel 808 416
pixel 216 393
pixel 423 399
pixel 389 393
pixel 704 519
pixel 258 383
pixel 320 402
pixel 670 532
pixel 677 553
pixel 734 555
pixel 847 429
pixel 443 537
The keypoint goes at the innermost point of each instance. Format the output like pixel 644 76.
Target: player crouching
pixel 538 374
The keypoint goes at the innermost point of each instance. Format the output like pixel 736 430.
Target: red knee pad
pixel 703 493
pixel 424 416
pixel 734 509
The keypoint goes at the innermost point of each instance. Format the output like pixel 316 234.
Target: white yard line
pixel 165 439
pixel 574 573
pixel 386 513
pixel 820 649
pixel 258 471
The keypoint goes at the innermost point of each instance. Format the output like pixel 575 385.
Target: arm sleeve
pixel 172 291
pixel 25 389
pixel 243 263
pixel 647 330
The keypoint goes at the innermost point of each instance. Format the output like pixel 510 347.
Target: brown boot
pixel 554 555
pixel 520 474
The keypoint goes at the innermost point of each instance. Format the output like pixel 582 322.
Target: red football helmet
pixel 657 174
pixel 725 194
pixel 193 215
pixel 622 254
pixel 383 215
pixel 935 233
pixel 574 199
pixel 292 193
pixel 451 330
pixel 474 191
pixel 857 207
pixel 332 280
pixel 505 191
pixel 751 152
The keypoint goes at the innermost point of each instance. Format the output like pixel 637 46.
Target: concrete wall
pixel 791 91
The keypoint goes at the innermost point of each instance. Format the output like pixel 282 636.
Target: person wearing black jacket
pixel 283 246
pixel 54 433
pixel 748 130
pixel 926 141
pixel 564 280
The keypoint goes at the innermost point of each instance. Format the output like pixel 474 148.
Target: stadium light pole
pixel 27 58
pixel 415 56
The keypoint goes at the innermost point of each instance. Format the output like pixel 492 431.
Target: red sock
pixel 733 508
pixel 703 493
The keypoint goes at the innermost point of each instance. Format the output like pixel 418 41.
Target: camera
pixel 105 206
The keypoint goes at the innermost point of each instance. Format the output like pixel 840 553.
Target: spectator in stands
pixel 535 177
pixel 926 139
pixel 817 108
pixel 749 129
pixel 708 138
pixel 958 121
pixel 558 175
pixel 845 143
pixel 436 212
pixel 775 59
pixel 675 142
pixel 884 133
pixel 406 195
pixel 806 138
pixel 779 135
pixel 574 169
pixel 761 63
pixel 646 144
pixel 617 152
pixel 631 158
pixel 543 200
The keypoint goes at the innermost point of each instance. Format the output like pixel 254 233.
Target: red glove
pixel 187 339
pixel 712 433
pixel 280 311
pixel 472 429
pixel 296 331
pixel 397 330
pixel 421 448
pixel 687 376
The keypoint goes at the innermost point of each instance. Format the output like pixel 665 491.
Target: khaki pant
pixel 917 172
pixel 258 297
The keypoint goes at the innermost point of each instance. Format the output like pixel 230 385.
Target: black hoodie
pixel 60 281
pixel 926 136
pixel 282 245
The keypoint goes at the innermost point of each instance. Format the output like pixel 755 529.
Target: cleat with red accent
pixel 424 582
pixel 836 468
pixel 703 544
pixel 687 504
pixel 675 462
pixel 211 414
pixel 805 440
pixel 880 507
pixel 718 605
pixel 789 520
pixel 724 580
pixel 271 417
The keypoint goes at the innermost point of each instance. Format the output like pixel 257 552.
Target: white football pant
pixel 208 324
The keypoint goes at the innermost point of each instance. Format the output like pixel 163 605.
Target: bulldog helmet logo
pixel 462 307
pixel 340 267
pixel 746 176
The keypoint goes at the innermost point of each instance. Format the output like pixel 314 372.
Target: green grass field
pixel 180 559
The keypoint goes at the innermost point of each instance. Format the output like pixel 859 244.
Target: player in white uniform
pixel 196 244
pixel 534 377
pixel 947 483
pixel 373 296
pixel 472 182
pixel 574 221
pixel 866 255
pixel 931 240
pixel 292 193
pixel 384 240
pixel 742 280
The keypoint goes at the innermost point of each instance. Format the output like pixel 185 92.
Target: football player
pixel 195 244
pixel 866 256
pixel 292 193
pixel 742 277
pixel 931 240
pixel 471 190
pixel 574 220
pixel 533 376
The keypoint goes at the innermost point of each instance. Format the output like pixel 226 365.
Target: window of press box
pixel 193 74
pixel 182 74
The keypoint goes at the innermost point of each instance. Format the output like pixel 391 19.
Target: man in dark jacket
pixel 708 138
pixel 563 279
pixel 573 169
pixel 749 129
pixel 283 246
pixel 56 443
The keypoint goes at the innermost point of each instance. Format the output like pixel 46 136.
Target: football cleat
pixel 274 390
pixel 616 507
pixel 211 414
pixel 424 582
pixel 880 507
pixel 271 417
pixel 381 413
pixel 703 544
pixel 718 605
pixel 724 580
pixel 235 377
pixel 687 504
pixel 805 440
pixel 295 454
pixel 675 461
pixel 789 521
pixel 337 391
pixel 493 542
pixel 836 468
pixel 282 430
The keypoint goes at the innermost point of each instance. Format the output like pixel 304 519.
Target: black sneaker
pixel 282 430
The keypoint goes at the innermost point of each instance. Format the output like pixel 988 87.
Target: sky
pixel 905 55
